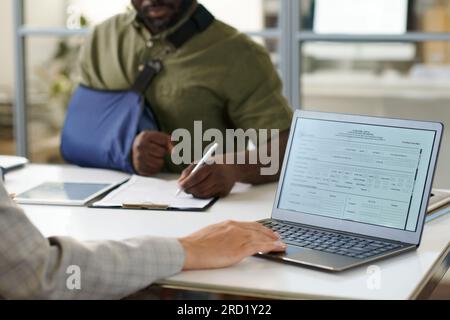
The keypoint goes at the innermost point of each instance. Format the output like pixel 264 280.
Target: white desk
pixel 407 276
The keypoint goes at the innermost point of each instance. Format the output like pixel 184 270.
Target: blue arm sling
pixel 101 125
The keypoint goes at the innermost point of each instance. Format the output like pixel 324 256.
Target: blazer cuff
pixel 169 255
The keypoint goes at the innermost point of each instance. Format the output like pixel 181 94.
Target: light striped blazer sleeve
pixel 34 267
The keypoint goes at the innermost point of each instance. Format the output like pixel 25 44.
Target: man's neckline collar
pixel 133 19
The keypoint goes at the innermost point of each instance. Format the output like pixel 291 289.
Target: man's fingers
pixel 160 138
pixel 186 172
pixel 170 144
pixel 148 169
pixel 155 150
pixel 196 178
pixel 204 190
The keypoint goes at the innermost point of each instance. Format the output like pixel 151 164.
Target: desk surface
pixel 401 277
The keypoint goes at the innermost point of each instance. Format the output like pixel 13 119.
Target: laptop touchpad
pixel 290 250
pixel 313 257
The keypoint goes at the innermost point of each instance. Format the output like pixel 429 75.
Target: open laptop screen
pixel 370 174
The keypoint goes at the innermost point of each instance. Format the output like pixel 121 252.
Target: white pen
pixel 201 162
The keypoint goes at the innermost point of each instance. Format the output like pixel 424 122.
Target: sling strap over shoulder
pixel 200 20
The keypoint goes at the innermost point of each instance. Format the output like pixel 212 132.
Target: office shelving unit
pixel 289 34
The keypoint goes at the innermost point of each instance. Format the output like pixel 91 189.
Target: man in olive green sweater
pixel 219 76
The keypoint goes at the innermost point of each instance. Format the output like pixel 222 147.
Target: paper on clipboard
pixel 151 193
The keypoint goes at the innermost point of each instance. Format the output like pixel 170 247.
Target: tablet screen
pixel 70 193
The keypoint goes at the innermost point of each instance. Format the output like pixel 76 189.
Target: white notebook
pixel 12 162
pixel 438 199
pixel 151 193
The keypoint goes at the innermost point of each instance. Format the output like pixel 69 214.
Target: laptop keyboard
pixel 336 243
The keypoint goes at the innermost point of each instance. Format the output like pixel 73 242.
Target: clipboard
pixel 146 206
pixel 152 194
pixel 164 207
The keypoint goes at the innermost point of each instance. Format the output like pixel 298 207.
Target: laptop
pixel 353 189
